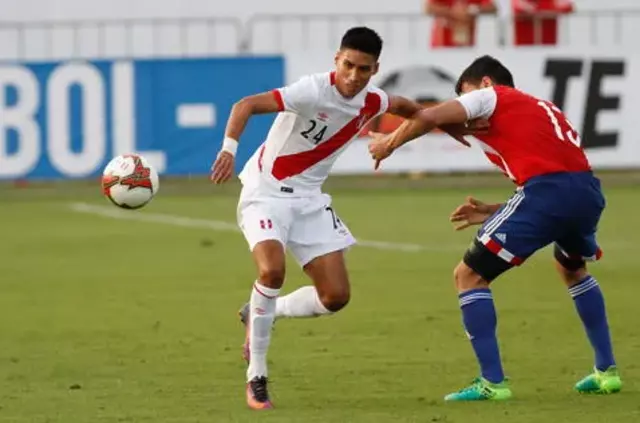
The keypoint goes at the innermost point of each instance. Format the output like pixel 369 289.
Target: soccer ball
pixel 129 181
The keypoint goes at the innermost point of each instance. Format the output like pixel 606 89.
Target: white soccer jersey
pixel 314 126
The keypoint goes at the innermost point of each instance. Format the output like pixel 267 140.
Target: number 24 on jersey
pixel 311 132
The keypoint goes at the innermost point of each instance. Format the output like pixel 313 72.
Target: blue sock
pixel 480 321
pixel 590 305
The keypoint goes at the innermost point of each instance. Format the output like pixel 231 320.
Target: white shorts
pixel 307 226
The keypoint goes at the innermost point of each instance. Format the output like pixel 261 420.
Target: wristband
pixel 230 145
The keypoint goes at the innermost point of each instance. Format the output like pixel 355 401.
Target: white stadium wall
pixel 97 9
pixel 213 27
pixel 33 10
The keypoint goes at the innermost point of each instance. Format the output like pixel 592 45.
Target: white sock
pixel 262 313
pixel 303 302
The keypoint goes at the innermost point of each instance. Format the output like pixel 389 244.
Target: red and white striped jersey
pixel 314 126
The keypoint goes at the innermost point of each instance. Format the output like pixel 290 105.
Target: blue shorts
pixel 563 208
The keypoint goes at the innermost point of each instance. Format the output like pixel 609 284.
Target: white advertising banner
pixel 595 88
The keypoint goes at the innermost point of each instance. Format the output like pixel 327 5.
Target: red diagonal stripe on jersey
pixel 278 96
pixel 294 164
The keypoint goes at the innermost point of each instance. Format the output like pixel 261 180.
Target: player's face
pixel 354 69
pixel 469 86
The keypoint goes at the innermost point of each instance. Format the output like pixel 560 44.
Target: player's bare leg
pixel 479 316
pixel 589 302
pixel 330 291
pixel 269 257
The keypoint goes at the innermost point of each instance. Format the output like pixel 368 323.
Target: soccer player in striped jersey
pixel 282 205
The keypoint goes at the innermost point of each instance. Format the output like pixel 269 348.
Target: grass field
pixel 107 319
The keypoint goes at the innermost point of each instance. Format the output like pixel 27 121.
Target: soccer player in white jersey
pixel 281 204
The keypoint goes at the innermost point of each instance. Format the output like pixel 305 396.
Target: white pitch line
pixel 217 225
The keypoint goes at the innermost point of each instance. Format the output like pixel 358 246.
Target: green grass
pixel 105 320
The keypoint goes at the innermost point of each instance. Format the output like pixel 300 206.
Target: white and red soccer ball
pixel 129 181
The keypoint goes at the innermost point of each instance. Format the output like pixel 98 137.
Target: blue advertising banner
pixel 68 119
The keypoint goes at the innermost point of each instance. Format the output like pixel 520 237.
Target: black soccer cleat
pixel 257 394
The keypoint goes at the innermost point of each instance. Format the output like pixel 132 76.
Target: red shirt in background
pixel 446 33
pixel 537 31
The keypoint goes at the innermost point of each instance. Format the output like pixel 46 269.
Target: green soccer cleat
pixel 607 382
pixel 482 390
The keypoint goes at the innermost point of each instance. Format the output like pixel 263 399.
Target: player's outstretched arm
pixel 403 107
pixel 408 109
pixel 477 105
pixel 222 168
pixel 253 105
pixel 448 113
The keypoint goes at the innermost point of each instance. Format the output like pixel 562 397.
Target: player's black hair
pixel 485 66
pixel 362 39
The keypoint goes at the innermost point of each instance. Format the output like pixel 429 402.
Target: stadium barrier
pixel 122 38
pixel 286 33
pixel 273 34
pixel 67 119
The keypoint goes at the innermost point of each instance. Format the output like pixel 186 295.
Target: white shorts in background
pixel 307 226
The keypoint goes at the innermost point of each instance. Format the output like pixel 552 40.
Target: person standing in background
pixel 535 22
pixel 455 21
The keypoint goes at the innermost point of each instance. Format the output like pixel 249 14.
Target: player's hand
pixel 222 168
pixel 477 126
pixel 379 148
pixel 459 130
pixel 473 212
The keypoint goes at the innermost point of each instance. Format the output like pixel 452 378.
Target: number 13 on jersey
pixel 553 112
